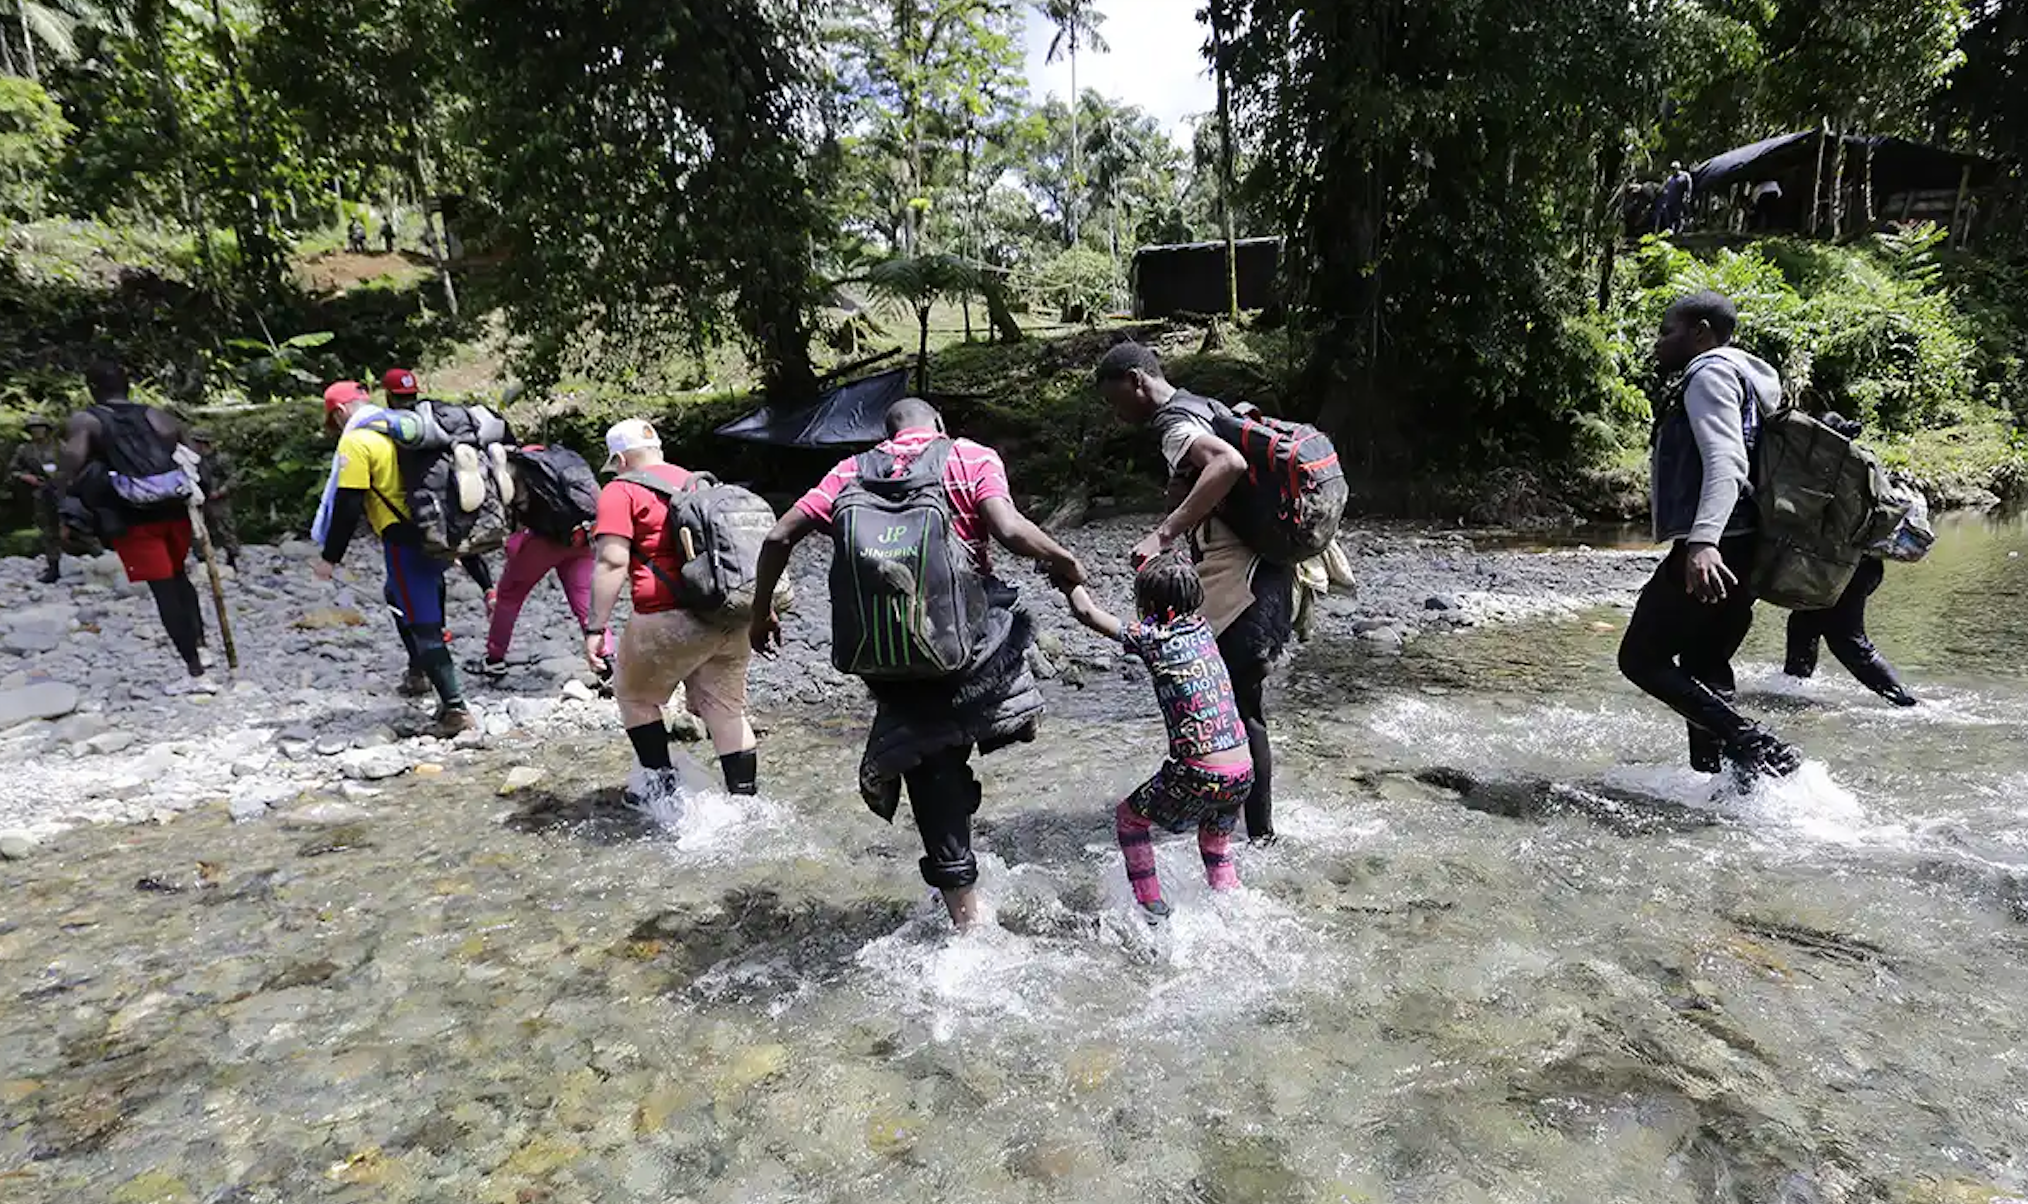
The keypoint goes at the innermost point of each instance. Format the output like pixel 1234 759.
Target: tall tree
pixel 1077 23
pixel 1218 14
pixel 925 79
pixel 1433 186
pixel 658 170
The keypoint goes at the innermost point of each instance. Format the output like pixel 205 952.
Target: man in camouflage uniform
pixel 216 476
pixel 33 470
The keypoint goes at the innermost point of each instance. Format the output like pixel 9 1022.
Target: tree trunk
pixel 1817 180
pixel 28 42
pixel 1076 148
pixel 1838 189
pixel 1868 185
pixel 922 315
pixel 441 252
pixel 1219 22
pixel 1005 328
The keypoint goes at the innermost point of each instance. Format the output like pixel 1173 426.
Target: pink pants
pixel 530 557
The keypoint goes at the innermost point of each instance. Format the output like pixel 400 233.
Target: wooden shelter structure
pixel 1833 185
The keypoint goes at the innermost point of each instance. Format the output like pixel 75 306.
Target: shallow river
pixel 1561 973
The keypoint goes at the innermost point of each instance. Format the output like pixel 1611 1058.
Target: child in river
pixel 1209 772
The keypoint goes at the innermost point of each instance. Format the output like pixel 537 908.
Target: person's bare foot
pixel 963 904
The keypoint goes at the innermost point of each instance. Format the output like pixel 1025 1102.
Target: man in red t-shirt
pixel 662 645
pixel 943 792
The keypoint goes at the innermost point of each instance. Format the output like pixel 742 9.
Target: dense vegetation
pixel 581 214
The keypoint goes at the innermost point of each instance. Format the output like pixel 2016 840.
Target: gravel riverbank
pixel 98 724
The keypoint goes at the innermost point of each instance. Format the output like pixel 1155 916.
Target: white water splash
pixel 708 823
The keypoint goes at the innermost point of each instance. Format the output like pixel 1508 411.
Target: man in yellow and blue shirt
pixel 367 483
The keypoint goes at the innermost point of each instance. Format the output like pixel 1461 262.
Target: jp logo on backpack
pixel 718 529
pixel 140 461
pixel 1825 504
pixel 906 603
pixel 1288 505
pixel 455 469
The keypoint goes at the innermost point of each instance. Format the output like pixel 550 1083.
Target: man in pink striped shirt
pixel 974 476
pixel 942 790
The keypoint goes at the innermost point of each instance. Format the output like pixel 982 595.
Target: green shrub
pixel 32 133
pixel 1871 330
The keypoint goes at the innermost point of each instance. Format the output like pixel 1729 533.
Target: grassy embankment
pixel 66 288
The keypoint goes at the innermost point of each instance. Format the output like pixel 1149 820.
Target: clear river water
pixel 1509 950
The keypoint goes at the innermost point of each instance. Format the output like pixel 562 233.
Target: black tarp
pixel 1191 277
pixel 1898 164
pixel 848 415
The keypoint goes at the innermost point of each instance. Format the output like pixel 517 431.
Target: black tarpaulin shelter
pixel 1898 165
pixel 1191 278
pixel 848 415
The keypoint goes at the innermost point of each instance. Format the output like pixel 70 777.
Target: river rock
pixel 578 691
pixel 323 815
pixel 247 767
pixel 42 700
pixel 521 777
pixel 16 846
pixel 373 764
pixel 108 743
pixel 1385 641
pixel 28 639
pixel 81 727
pixel 527 711
pixel 331 746
pixel 246 809
pixel 560 667
pixel 1440 602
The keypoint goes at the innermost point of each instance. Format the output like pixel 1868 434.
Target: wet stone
pixel 339 839
pixel 16 846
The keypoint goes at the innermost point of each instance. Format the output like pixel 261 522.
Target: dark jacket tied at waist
pixel 993 703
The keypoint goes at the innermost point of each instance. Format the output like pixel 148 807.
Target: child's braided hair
pixel 1168 587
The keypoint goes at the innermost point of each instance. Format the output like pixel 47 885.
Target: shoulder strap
pixel 653 484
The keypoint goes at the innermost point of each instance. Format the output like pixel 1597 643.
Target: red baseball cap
pixel 399 382
pixel 343 393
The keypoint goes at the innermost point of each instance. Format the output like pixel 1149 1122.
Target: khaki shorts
pixel 659 652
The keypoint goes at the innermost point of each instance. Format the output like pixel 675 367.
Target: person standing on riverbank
pixel 365 483
pixel 1695 611
pixel 33 471
pixel 926 728
pixel 663 645
pixel 1249 600
pixel 119 459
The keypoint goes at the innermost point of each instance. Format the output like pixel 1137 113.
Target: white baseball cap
pixel 630 434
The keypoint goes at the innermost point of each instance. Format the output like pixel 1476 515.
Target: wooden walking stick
pixel 188 458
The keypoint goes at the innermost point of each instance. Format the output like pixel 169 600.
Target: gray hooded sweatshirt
pixel 1698 463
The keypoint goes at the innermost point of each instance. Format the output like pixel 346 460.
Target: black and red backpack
pixel 1288 505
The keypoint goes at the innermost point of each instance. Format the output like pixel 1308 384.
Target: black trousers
pixel 1680 650
pixel 1843 627
pixel 1249 671
pixel 944 794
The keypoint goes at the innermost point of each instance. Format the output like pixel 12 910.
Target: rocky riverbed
pixel 98 723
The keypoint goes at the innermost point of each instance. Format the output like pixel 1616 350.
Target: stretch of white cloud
pixel 1156 61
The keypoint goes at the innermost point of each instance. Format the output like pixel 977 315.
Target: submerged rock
pixel 16 846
